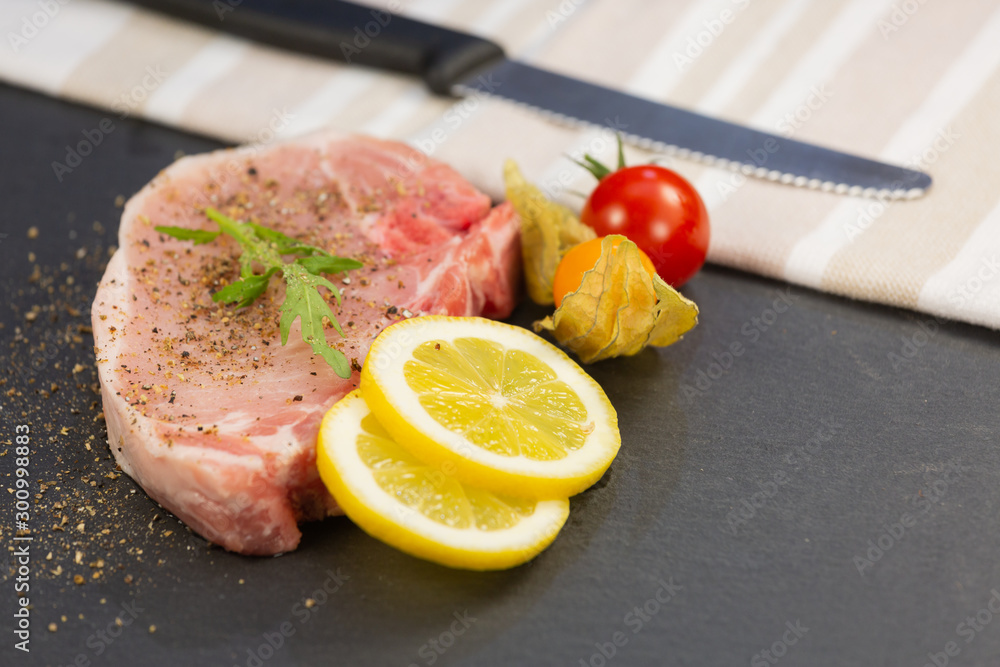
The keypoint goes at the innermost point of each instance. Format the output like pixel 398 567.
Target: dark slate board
pixel 873 440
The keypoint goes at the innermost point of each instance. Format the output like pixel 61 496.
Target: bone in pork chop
pixel 205 408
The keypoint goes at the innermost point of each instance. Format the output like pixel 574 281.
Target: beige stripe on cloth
pixel 893 259
pixel 794 45
pixel 894 75
pixel 845 120
pixel 604 42
pixel 257 94
pixel 942 100
pixel 711 62
pixel 128 68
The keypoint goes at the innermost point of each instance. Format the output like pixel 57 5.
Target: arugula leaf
pixel 328 264
pixel 266 247
pixel 199 236
pixel 285 245
pixel 302 300
pixel 245 290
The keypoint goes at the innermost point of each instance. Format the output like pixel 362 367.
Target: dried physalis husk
pixel 548 230
pixel 619 308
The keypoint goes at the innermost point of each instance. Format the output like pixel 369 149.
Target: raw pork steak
pixel 205 408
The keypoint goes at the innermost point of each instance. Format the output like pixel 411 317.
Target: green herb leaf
pixel 265 247
pixel 245 290
pixel 302 300
pixel 328 264
pixel 285 245
pixel 199 236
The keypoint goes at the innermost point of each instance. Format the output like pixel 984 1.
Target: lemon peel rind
pixel 400 414
pixel 378 514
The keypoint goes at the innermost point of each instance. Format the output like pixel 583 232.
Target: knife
pixel 460 64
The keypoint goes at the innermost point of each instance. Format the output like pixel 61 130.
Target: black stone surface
pixel 836 422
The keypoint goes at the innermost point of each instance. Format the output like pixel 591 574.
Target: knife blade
pixel 460 64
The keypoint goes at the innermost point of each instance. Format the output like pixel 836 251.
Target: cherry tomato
pixel 580 259
pixel 659 211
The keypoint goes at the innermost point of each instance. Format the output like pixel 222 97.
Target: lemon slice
pixel 419 509
pixel 506 410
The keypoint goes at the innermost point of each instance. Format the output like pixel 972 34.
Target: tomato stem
pixel 598 168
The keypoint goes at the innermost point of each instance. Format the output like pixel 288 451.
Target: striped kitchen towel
pixel 914 82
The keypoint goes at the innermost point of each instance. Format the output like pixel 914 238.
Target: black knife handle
pixel 344 31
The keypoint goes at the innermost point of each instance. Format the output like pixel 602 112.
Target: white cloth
pixel 913 83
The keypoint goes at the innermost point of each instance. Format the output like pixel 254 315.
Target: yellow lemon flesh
pixel 419 508
pixel 501 407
